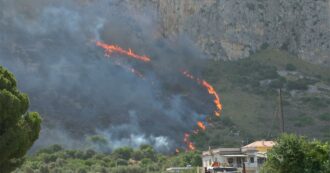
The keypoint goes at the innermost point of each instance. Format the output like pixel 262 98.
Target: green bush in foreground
pixel 18 128
pixel 296 154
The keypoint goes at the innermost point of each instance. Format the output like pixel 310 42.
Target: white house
pixel 253 155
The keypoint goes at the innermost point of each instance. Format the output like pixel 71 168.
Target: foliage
pixel 299 84
pixel 303 121
pixel 296 154
pixel 248 89
pixel 316 102
pixel 123 153
pixel 56 159
pixel 290 67
pixel 18 128
pixel 324 116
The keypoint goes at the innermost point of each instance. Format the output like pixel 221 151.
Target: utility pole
pixel 281 112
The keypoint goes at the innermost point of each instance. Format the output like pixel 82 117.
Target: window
pixel 230 160
pixel 261 161
pixel 251 159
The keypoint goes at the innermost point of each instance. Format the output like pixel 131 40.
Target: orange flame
pixel 186 137
pixel 209 88
pixel 216 100
pixel 109 49
pixel 190 145
pixel 201 125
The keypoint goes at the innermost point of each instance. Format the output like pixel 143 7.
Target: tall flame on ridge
pixel 216 100
pixel 210 90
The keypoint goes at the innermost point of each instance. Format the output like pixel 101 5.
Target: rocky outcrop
pixel 233 29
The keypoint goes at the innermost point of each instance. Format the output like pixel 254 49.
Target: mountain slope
pixel 248 89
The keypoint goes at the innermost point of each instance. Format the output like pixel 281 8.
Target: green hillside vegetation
pixel 122 160
pixel 249 93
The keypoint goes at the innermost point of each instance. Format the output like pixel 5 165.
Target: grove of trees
pixel 144 159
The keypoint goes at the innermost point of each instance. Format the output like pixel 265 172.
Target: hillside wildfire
pixel 155 86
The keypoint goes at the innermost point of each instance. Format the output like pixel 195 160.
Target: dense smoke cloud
pixel 49 46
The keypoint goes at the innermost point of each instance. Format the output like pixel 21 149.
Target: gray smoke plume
pixel 49 46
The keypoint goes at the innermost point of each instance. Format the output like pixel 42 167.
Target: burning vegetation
pixel 109 49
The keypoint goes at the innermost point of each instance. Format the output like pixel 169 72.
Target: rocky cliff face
pixel 233 29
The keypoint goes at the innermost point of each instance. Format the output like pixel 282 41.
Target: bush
pixel 47 158
pixel 82 170
pixel 123 153
pixel 43 169
pixel 128 169
pixel 146 161
pixel 303 121
pixel 277 83
pixel 290 67
pixel 121 162
pixel 89 154
pixel 325 117
pixel 264 45
pixel 297 85
pixel 316 102
pixel 137 155
pixel 296 154
pixel 51 149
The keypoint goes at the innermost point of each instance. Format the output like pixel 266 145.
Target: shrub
pixel 82 170
pixel 324 117
pixel 123 153
pixel 264 45
pixel 277 83
pixel 51 149
pixel 296 154
pixel 128 169
pixel 121 162
pixel 316 102
pixel 303 121
pixel 290 67
pixel 297 85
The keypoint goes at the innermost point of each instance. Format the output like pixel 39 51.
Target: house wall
pixel 208 160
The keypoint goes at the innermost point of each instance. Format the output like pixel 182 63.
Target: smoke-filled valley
pixel 80 92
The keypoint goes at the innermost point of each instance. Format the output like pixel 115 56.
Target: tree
pixel 296 154
pixel 18 128
pixel 192 158
pixel 123 153
pixel 148 152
